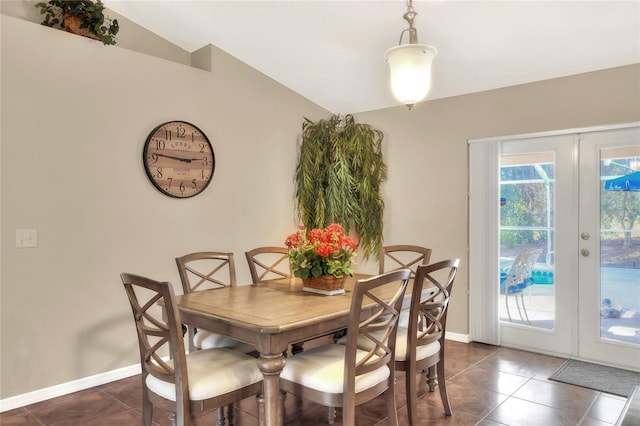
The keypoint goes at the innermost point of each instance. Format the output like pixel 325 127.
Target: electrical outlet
pixel 26 238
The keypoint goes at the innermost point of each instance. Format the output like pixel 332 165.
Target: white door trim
pixel 484 154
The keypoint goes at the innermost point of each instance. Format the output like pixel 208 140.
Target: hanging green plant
pixel 338 178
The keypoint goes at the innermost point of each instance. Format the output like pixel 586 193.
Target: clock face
pixel 178 159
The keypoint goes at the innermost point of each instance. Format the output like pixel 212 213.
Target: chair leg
pixel 525 317
pixel 348 414
pixel 391 406
pixel 443 388
pixel 411 391
pixel 182 414
pixel 432 378
pixel 331 415
pixel 518 306
pixel 221 419
pixel 525 309
pixel 260 403
pixel 147 407
pixel 231 414
pixel 506 302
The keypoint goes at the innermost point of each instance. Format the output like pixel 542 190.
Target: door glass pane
pixel 620 244
pixel 527 292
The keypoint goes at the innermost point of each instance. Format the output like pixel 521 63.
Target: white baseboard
pixel 457 337
pixel 108 377
pixel 67 388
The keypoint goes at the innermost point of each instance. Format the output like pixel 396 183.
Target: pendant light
pixel 410 65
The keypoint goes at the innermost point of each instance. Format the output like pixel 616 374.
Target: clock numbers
pixel 179 159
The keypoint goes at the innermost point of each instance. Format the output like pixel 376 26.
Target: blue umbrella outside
pixel 630 182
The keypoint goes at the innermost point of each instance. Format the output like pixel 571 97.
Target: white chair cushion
pixel 322 368
pixel 401 345
pixel 422 351
pixel 212 372
pixel 204 339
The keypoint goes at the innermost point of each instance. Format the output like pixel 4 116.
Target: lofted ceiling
pixel 332 52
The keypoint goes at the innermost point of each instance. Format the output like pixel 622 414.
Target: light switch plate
pixel 26 238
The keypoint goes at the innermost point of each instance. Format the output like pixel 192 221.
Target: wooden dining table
pixel 269 315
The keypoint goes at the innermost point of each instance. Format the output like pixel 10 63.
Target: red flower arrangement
pixel 319 252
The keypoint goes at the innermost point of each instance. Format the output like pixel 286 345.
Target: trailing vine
pixel 338 178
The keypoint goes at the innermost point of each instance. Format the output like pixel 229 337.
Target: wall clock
pixel 178 159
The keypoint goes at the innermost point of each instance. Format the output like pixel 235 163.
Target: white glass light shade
pixel 410 68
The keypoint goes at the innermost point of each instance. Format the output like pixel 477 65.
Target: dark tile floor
pixel 487 385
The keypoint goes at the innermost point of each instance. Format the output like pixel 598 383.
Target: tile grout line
pixel 472 365
pixel 120 401
pixel 38 419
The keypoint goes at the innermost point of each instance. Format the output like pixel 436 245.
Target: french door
pixel 539 203
pixel 581 298
pixel 609 239
pixel 558 202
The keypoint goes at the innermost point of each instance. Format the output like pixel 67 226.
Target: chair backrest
pixel 202 271
pixel 158 332
pixel 381 297
pixel 205 270
pixel 397 257
pixel 268 263
pixel 521 268
pixel 531 262
pixel 428 311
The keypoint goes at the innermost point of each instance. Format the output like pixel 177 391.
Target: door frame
pixel 484 192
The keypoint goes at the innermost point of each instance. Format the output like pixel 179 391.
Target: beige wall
pixel 74 117
pixel 426 152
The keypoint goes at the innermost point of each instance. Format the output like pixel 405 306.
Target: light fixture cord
pixel 409 16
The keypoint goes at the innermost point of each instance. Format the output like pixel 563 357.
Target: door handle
pixel 584 252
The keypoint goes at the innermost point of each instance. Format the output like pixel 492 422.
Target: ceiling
pixel 332 52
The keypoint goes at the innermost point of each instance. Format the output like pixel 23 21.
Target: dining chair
pixel 186 384
pixel 346 376
pixel 403 256
pixel 202 271
pixel 268 263
pixel 420 346
pixel 516 280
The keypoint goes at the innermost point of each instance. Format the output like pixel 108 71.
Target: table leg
pixel 271 365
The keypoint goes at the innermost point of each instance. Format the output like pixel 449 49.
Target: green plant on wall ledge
pixel 338 178
pixel 85 18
